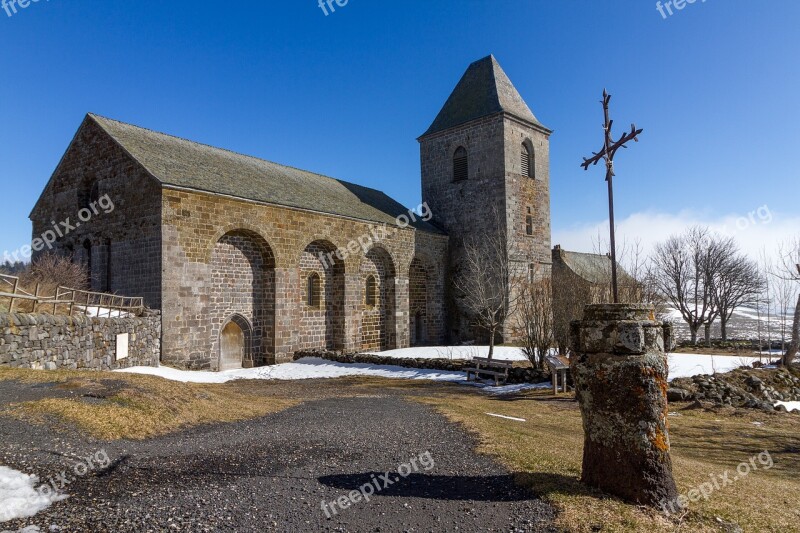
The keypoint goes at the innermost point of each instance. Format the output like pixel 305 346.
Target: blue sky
pixel 715 86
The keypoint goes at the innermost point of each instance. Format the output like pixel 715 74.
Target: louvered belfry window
pixel 527 167
pixel 460 164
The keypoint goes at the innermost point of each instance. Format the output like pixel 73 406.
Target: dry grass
pixel 113 406
pixel 546 452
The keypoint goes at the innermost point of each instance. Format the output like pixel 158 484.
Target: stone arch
pixel 322 326
pixel 527 144
pixel 235 343
pixel 419 294
pixel 378 322
pixel 242 227
pixel 242 285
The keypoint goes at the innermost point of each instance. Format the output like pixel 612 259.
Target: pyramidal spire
pixel 484 90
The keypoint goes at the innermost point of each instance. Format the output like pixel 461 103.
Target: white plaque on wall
pixel 122 346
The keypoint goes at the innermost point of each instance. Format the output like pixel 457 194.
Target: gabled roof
pixel 181 163
pixel 484 90
pixel 594 268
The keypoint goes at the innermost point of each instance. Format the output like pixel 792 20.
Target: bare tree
pixel 681 271
pixel 736 281
pixel 535 315
pixel 569 300
pixel 784 296
pixel 790 270
pixel 487 284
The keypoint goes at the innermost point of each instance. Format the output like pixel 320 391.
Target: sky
pixel 347 93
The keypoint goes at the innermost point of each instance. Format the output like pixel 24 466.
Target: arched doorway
pixel 231 347
pixel 418 303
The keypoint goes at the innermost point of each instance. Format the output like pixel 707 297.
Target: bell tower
pixel 486 168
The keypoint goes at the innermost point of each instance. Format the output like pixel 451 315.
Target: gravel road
pixel 274 473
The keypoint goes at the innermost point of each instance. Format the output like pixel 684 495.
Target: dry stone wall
pixel 61 342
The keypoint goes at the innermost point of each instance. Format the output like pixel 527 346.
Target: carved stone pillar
pixel 620 370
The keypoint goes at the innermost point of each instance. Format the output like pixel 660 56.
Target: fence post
pixel 13 291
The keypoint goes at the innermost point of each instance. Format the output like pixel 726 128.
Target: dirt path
pixel 272 474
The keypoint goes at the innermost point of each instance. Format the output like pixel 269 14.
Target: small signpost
pixel 559 365
pixel 607 154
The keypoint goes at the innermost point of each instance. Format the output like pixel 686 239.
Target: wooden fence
pixel 65 301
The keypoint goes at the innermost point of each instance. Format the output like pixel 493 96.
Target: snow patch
pixel 306 368
pixel 685 365
pixel 19 497
pixel 507 353
pixel 791 406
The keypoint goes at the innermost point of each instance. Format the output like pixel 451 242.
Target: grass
pixel 546 453
pixel 112 406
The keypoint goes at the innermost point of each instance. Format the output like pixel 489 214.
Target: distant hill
pixel 746 324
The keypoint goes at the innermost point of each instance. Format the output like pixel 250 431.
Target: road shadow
pixel 493 488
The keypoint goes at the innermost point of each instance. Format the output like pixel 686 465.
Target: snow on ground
pixel 103 312
pixel 746 323
pixel 791 406
pixel 455 352
pixel 19 497
pixel 306 368
pixel 315 368
pixel 686 365
pixel 681 365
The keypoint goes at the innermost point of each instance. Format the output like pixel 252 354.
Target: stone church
pixel 250 261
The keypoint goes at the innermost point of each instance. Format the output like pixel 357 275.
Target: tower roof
pixel 484 90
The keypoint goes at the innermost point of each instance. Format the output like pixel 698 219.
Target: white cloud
pixel 757 230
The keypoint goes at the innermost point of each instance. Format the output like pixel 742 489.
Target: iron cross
pixel 607 154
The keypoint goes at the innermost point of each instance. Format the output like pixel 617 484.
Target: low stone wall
pixel 515 375
pixel 62 342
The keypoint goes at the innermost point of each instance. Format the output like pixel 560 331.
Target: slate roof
pixel 186 164
pixel 594 268
pixel 484 90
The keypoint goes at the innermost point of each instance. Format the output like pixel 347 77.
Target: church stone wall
pixel 193 224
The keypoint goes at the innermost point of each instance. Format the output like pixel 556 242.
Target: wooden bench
pixel 489 367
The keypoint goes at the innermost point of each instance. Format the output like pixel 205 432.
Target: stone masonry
pixel 61 342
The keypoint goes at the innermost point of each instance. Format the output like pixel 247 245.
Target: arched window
pixel 313 290
pixel 528 161
pixel 372 292
pixel 460 164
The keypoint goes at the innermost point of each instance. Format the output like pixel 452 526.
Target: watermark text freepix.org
pixel 11 6
pixel 666 8
pixel 53 487
pixel 61 229
pixel 376 234
pixel 378 483
pixel 718 482
pixel 329 6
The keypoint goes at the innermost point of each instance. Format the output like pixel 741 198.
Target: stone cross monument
pixel 619 365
